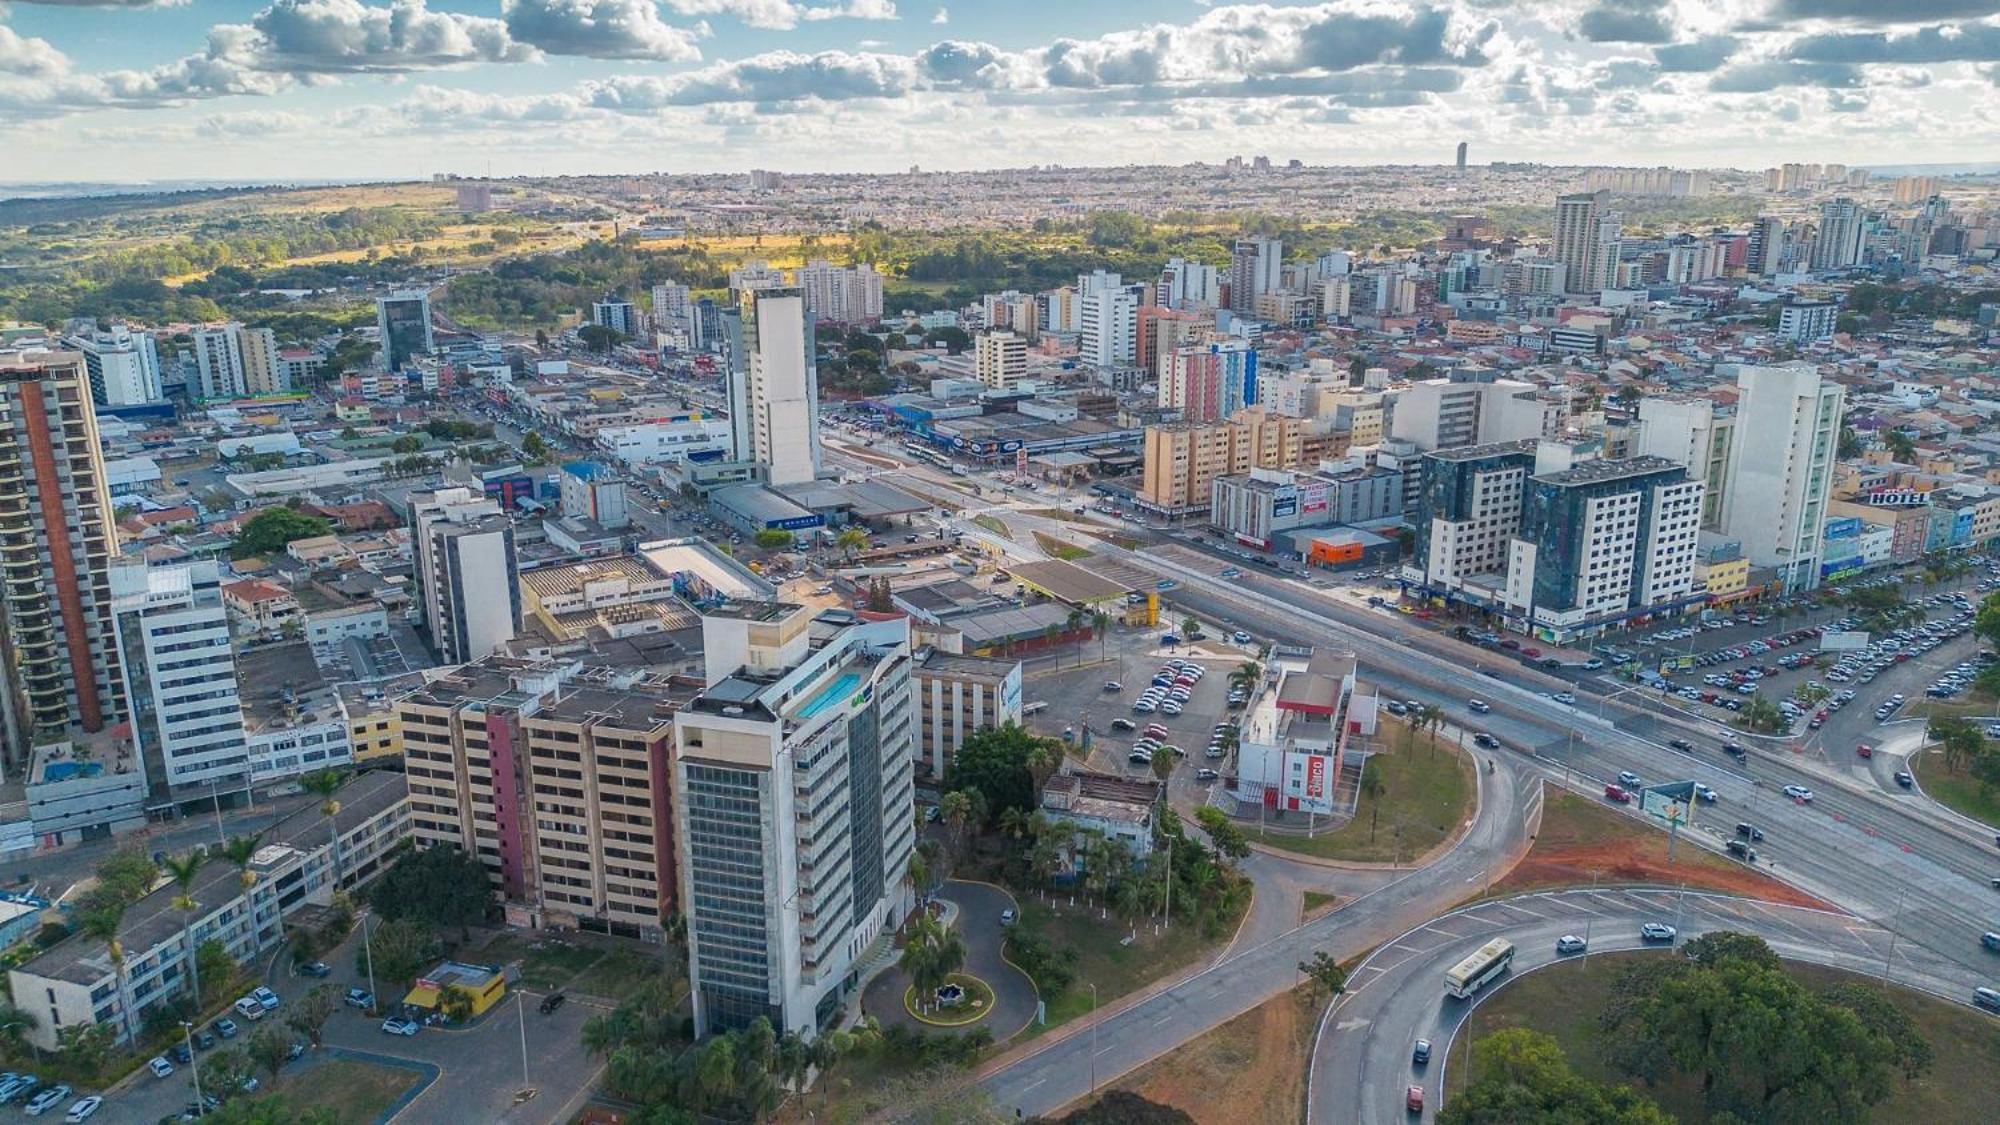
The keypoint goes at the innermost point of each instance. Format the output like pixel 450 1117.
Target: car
pixel 1617 793
pixel 294 1052
pixel 1991 941
pixel 396 1025
pixel 1628 779
pixel 1986 998
pixel 1112 686
pixel 315 969
pixel 1741 851
pixel 181 1054
pixel 1123 724
pixel 248 1008
pixel 1485 741
pixel 1750 832
pixel 1479 706
pixel 17 1086
pixel 81 1109
pixel 1570 943
pixel 1904 779
pixel 160 1066
pixel 362 998
pixel 1864 750
pixel 1657 931
pixel 1799 793
pixel 226 1028
pixel 1420 1053
pixel 1205 774
pixel 1704 793
pixel 1566 698
pixel 1007 917
pixel 1681 744
pixel 1240 637
pixel 47 1100
pixel 204 1039
pixel 1413 1099
pixel 1397 707
pixel 551 1002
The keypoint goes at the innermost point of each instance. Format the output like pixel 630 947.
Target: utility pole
pixel 194 1060
pixel 1093 1037
pixel 521 1010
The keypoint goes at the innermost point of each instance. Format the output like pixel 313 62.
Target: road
pixel 1361 1057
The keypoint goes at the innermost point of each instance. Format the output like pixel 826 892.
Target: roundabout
pixel 961 1001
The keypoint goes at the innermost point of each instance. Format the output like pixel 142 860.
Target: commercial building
pixel 404 321
pixel 999 359
pixel 124 366
pixel 1306 735
pixel 618 315
pixel 1781 468
pixel 792 791
pixel 593 492
pixel 1256 267
pixel 186 713
pixel 467 572
pixel 1469 509
pixel 1696 433
pixel 956 696
pixel 774 385
pixel 1469 408
pixel 1586 240
pixel 1110 325
pixel 1183 460
pixel 1210 382
pixel 1803 322
pixel 554 776
pixel 302 861
pixel 1188 285
pixel 1121 809
pixel 1254 507
pixel 59 666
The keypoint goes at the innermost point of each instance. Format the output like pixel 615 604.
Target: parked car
pixel 1657 931
pixel 358 998
pixel 160 1066
pixel 315 969
pixel 226 1028
pixel 81 1109
pixel 555 1000
pixel 396 1025
pixel 47 1100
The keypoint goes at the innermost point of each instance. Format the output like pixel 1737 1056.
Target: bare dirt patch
pixel 1252 1068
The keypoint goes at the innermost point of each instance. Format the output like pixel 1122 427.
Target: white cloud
pixel 601 29
pixel 28 56
pixel 941 17
pixel 346 36
pixel 778 15
pixel 853 10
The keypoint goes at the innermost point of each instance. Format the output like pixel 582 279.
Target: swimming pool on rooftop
pixel 829 695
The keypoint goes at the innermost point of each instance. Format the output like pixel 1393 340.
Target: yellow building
pixel 1182 460
pixel 1724 581
pixel 374 733
pixel 485 985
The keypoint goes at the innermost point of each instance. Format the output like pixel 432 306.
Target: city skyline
pixel 121 90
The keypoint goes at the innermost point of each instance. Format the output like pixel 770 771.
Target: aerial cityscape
pixel 601 561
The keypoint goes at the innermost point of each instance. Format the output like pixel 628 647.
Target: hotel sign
pixel 1898 498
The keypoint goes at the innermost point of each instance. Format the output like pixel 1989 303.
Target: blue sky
pixel 139 89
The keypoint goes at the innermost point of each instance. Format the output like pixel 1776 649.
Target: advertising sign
pixel 1668 803
pixel 1852 640
pixel 1899 498
pixel 1316 776
pixel 1312 500
pixel 1284 502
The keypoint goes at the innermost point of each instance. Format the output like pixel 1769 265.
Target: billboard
pixel 1284 502
pixel 1668 803
pixel 1312 499
pixel 1308 781
pixel 1843 527
pixel 1851 640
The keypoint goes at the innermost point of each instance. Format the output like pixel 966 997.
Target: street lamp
pixel 1093 1037
pixel 194 1061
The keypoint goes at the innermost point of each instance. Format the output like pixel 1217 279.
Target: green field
pixel 353 1092
pixel 1957 791
pixel 1103 958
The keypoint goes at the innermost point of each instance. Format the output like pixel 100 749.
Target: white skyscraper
pixel 173 633
pixel 467 572
pixel 774 384
pixel 792 788
pixel 1781 468
pixel 124 366
pixel 1189 285
pixel 1110 327
pixel 1842 231
pixel 671 303
pixel 1256 266
pixel 1586 240
pixel 232 361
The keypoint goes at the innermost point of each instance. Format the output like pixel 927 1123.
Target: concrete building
pixel 404 321
pixel 1182 460
pixel 555 776
pixel 792 792
pixel 186 712
pixel 1254 507
pixel 592 491
pixel 841 294
pixel 301 863
pixel 1210 382
pixel 1781 468
pixel 467 572
pixel 774 385
pixel 1470 509
pixel 124 366
pixel 1188 285
pixel 1842 232
pixel 999 359
pixel 59 663
pixel 1695 433
pixel 1256 266
pixel 956 696
pixel 618 315
pixel 1804 322
pixel 1110 326
pixel 232 361
pixel 1586 240
pixel 1469 409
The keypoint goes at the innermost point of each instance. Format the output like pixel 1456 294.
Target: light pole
pixel 200 1104
pixel 368 953
pixel 521 1010
pixel 1093 1037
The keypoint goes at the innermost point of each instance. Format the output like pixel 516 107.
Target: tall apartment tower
pixel 1210 382
pixel 1586 241
pixel 1188 285
pixel 1765 253
pixel 59 664
pixel 1110 316
pixel 1694 433
pixel 467 572
pixel 1781 468
pixel 792 783
pixel 124 366
pixel 774 384
pixel 1461 156
pixel 672 307
pixel 173 638
pixel 999 359
pixel 1256 266
pixel 1842 231
pixel 404 320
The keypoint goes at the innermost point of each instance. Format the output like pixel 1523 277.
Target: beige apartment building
pixel 1182 460
pixel 555 775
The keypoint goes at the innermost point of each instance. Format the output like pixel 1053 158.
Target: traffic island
pixel 962 1000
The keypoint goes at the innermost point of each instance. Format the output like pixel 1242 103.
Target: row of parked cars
pixel 38 1099
pixel 1172 687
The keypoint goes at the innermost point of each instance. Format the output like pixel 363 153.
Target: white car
pixel 1656 931
pixel 82 1110
pixel 47 1100
pixel 1568 944
pixel 160 1066
pixel 265 997
pixel 1704 793
pixel 1479 705
pixel 1799 793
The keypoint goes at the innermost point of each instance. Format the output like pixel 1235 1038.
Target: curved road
pixel 979 907
pixel 1361 1055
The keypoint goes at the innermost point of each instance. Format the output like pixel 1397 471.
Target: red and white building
pixel 1304 737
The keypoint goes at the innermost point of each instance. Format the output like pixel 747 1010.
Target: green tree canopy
pixel 440 887
pixel 271 529
pixel 994 763
pixel 1520 1077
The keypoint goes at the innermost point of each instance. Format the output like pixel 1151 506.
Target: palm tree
pixel 850 540
pixel 918 873
pixel 1372 788
pixel 241 850
pixel 1100 621
pixel 1247 675
pixel 182 869
pixel 794 1060
pixel 1429 718
pixel 956 808
pixel 324 784
pixel 1014 822
pixel 1045 857
pixel 1042 763
pixel 104 923
pixel 1163 764
pixel 15 1024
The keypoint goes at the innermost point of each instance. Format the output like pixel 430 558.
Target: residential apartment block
pixel 958 695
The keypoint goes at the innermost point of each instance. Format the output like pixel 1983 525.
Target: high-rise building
pixel 467 572
pixel 1586 240
pixel 957 696
pixel 841 294
pixel 1469 507
pixel 1781 468
pixel 1694 433
pixel 774 384
pixel 999 359
pixel 218 359
pixel 1914 189
pixel 59 665
pixel 1255 268
pixel 186 708
pixel 1183 460
pixel 1110 322
pixel 1843 230
pixel 1767 251
pixel 554 776
pixel 1461 156
pixel 672 307
pixel 1803 322
pixel 404 321
pixel 124 366
pixel 1467 409
pixel 1210 382
pixel 756 274
pixel 1188 285
pixel 792 786
pixel 594 492
pixel 618 315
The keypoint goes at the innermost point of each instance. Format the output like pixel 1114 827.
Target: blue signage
pixel 796 523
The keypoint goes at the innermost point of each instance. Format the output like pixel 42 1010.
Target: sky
pixel 127 90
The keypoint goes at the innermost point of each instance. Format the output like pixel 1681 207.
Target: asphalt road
pixel 1361 1058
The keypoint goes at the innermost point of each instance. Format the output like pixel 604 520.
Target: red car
pixel 1617 793
pixel 1865 750
pixel 1414 1099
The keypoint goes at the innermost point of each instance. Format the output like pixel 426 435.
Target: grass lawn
pixel 993 524
pixel 1961 1085
pixel 1315 902
pixel 547 968
pixel 353 1092
pixel 1103 958
pixel 1582 840
pixel 1956 791
pixel 1252 1068
pixel 618 972
pixel 1428 793
pixel 1058 549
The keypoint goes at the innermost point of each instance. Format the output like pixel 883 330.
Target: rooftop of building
pixel 1101 796
pixel 281 686
pixel 759 611
pixel 153 919
pixel 1482 452
pixel 931 662
pixel 570 579
pixel 1600 470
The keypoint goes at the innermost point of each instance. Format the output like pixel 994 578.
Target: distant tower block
pixel 1461 156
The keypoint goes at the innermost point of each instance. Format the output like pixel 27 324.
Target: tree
pixel 1163 764
pixel 1900 445
pixel 15 1024
pixel 441 887
pixel 324 784
pixel 931 953
pixel 182 869
pixel 104 921
pixel 126 875
pixel 956 809
pixel 224 1072
pixel 773 539
pixel 268 1050
pixel 1520 1077
pixel 308 1014
pixel 401 949
pixel 1326 973
pixel 214 965
pixel 994 763
pixel 1986 623
pixel 270 530
pixel 1373 788
pixel 598 337
pixel 1229 840
pixel 240 851
pixel 84 1046
pixel 455 1003
pixel 1246 675
pixel 535 447
pixel 850 540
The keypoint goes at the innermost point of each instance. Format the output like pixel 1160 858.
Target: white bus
pixel 1477 970
pixel 1037 706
